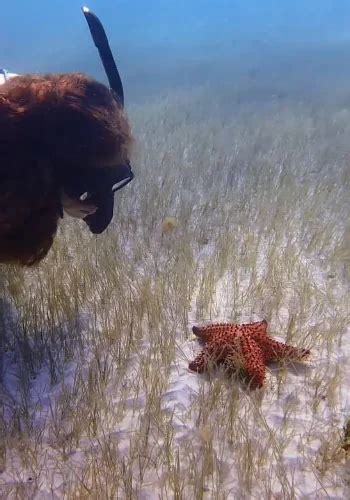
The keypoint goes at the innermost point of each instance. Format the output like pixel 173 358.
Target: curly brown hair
pixel 50 126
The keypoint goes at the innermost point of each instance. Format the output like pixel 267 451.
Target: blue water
pixel 162 42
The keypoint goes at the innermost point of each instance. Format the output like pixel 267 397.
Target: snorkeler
pixel 64 148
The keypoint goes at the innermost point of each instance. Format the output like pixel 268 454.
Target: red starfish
pixel 244 346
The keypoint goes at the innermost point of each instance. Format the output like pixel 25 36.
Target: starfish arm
pixel 199 363
pixel 278 351
pixel 254 361
pixel 208 332
pixel 257 329
pixel 211 354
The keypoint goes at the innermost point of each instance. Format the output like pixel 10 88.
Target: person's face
pixel 76 208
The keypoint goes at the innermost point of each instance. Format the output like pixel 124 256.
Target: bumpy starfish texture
pixel 245 347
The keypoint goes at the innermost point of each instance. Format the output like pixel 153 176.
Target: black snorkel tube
pixel 101 41
pixel 99 186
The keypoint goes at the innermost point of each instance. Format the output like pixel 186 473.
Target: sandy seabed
pixel 97 398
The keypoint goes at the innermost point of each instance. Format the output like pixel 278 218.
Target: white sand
pixel 284 413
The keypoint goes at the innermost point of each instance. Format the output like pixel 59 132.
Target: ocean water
pixel 163 44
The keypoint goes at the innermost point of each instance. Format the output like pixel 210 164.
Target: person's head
pixel 63 139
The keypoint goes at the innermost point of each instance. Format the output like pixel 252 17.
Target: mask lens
pixel 97 183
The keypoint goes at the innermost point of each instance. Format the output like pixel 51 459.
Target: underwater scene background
pixel 239 212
